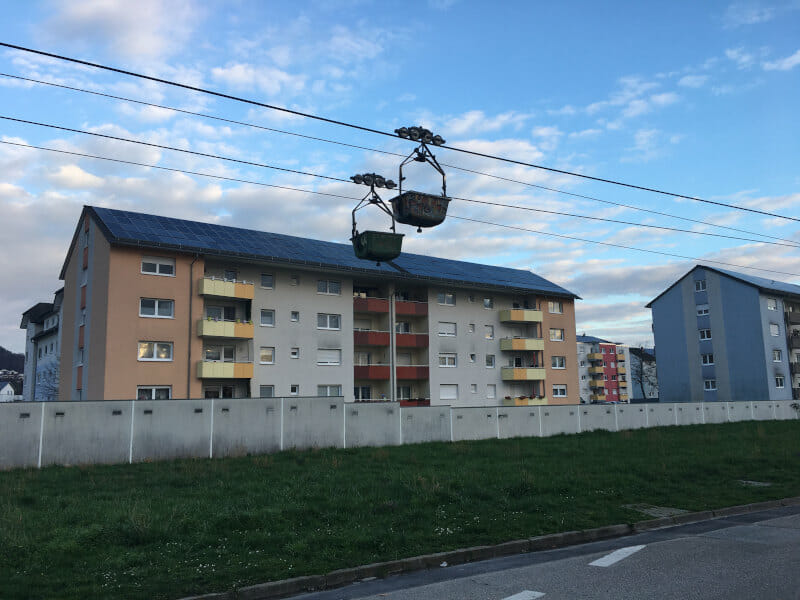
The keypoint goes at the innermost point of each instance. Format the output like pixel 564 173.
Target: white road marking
pixel 616 556
pixel 525 595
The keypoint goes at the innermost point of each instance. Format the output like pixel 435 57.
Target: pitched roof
pixel 152 231
pixel 590 339
pixel 763 284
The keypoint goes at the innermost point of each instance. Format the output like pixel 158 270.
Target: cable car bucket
pixel 375 245
pixel 420 208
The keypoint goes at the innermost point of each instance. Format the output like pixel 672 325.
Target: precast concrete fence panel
pixel 165 429
pixel 475 423
pixel 631 416
pixel 599 416
pixel 690 413
pixel 421 424
pixel 20 430
pixel 518 421
pixel 246 426
pixel 661 415
pixel 716 412
pixel 313 423
pixel 557 419
pixel 372 424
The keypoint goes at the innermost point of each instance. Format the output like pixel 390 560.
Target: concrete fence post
pixel 497 421
pixel 703 411
pixel 344 425
pixel 752 411
pixel 647 415
pixel 728 411
pixel 616 419
pixel 281 444
pixel 675 410
pixel 400 425
pixel 579 418
pixel 450 411
pixel 41 436
pixel 211 433
pixel 130 444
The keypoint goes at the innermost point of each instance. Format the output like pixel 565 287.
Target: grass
pixel 171 529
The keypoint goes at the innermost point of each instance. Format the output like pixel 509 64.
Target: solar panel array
pixel 767 284
pixel 194 236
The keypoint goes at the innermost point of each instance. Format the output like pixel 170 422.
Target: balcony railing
pixel 620 358
pixel 373 305
pixel 596 370
pixel 597 383
pixel 794 342
pixel 525 401
pixel 411 340
pixel 597 397
pixel 794 367
pixel 225 329
pixel 522 374
pixel 595 356
pixel 793 317
pixel 521 344
pixel 520 315
pixel 621 369
pixel 412 372
pixel 370 338
pixel 371 372
pixel 410 308
pixel 243 290
pixel 224 370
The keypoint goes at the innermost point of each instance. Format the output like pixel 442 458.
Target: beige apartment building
pixel 156 307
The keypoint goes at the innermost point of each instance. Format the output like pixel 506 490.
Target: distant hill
pixel 11 361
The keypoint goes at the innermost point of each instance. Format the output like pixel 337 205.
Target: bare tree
pixel 47 388
pixel 643 372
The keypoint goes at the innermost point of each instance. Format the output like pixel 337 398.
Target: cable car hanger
pixel 375 245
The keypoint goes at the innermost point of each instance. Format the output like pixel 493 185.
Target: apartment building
pixel 157 307
pixel 603 370
pixel 726 336
pixel 41 323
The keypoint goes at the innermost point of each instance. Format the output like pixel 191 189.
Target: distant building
pixel 602 370
pixel 643 375
pixel 41 323
pixel 157 307
pixel 7 393
pixel 726 336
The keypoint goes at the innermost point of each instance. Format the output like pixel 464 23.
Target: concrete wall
pixel 67 433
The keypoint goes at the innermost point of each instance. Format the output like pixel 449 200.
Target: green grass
pixel 170 529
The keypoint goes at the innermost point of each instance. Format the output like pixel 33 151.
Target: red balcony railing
pixel 379 372
pixel 412 372
pixel 373 305
pixel 371 338
pixel 404 307
pixel 411 340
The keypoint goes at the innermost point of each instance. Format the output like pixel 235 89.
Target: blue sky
pixel 698 98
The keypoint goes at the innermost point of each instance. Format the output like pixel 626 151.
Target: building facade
pixel 603 370
pixel 42 325
pixel 725 336
pixel 157 308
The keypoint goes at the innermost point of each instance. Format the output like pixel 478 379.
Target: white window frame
pixel 326 389
pixel 445 298
pixel 325 287
pixel 777 355
pixel 271 286
pixel 159 262
pixel 294 389
pixel 473 388
pixel 260 355
pixel 555 307
pixel 488 332
pixel 558 362
pixel 488 302
pixel 267 311
pixel 772 304
pixel 447 329
pixel 700 285
pixel 491 391
pixel 448 358
pixel 472 357
pixel 157 303
pixel 270 389
pixel 707 359
pixel 556 332
pixel 705 334
pixel 294 316
pixel 153 391
pixel 155 351
pixel 334 360
pixel 710 385
pixel 327 318
pixel 774 329
pixel 294 353
pixel 780 382
pixel 490 362
pixel 559 390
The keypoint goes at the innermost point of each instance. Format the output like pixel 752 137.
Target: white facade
pixel 42 350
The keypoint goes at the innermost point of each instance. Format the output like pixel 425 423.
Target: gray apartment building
pixel 726 336
pixel 42 325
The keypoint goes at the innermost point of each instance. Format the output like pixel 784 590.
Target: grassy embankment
pixel 164 530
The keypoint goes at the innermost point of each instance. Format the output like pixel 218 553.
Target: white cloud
pixel 73 177
pixel 743 59
pixel 783 64
pixel 693 81
pixel 268 79
pixel 476 121
pixel 585 133
pixel 747 13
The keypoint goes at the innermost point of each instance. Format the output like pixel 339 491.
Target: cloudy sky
pixel 696 98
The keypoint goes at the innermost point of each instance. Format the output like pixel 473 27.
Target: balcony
pixel 620 358
pixel 794 342
pixel 410 308
pixel 522 373
pixel 519 315
pixel 524 401
pixel 597 383
pixel 521 344
pixel 621 369
pixel 371 338
pixel 411 340
pixel 225 329
pixel 596 370
pixel 224 370
pixel 794 367
pixel 595 356
pixel 371 372
pixel 622 384
pixel 793 317
pixel 412 372
pixel 370 305
pixel 597 397
pixel 623 397
pixel 210 286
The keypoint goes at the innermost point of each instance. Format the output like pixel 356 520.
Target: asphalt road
pixel 746 556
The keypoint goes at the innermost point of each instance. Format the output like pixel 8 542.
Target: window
pixel 402 327
pixel 603 350
pixel 472 358
pixel 362 392
pixel 488 303
pixel 700 285
pixel 777 356
pixel 558 362
pixel 491 391
pixel 471 298
pixel 295 353
pixel 779 381
pixel 404 359
pixel 158 266
pixel 266 391
pixel 488 331
pixel 150 392
pixel 557 335
pixel 329 321
pixel 295 316
pixel 702 309
pixel 267 317
pixel 294 389
pixel 707 359
pixel 710 385
pixel 583 377
pixel 329 356
pixel 772 304
pixel 329 390
pixel 555 307
pixel 403 392
pixel 473 388
pixel 614 392
pixel 156 308
pixel 613 364
pixel 332 288
pixel 221 313
pixel 267 281
pixel 155 351
pixel 559 391
pixel 583 363
pixel 267 355
pixel 229 274
pixel 471 328
pixel 705 334
pixel 774 330
pixel 448 391
pixel 446 298
pixel 447 329
pixel 447 359
pixel 490 361
pixel 605 377
pixel 294 279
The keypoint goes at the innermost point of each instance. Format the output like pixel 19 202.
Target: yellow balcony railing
pixel 596 370
pixel 226 289
pixel 524 401
pixel 224 370
pixel 597 383
pixel 620 357
pixel 517 344
pixel 623 396
pixel 621 369
pixel 226 329
pixel 522 374
pixel 519 315
pixel 622 384
pixel 597 397
pixel 595 356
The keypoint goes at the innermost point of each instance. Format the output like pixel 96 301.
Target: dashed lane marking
pixel 616 556
pixel 525 595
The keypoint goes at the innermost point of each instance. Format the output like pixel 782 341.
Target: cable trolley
pixel 375 245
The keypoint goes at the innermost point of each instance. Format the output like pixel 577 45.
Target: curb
pixel 341 577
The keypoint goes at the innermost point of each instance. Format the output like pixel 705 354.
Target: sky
pixel 693 98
